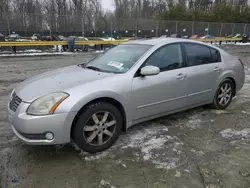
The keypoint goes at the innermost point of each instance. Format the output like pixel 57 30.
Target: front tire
pixel 97 127
pixel 224 95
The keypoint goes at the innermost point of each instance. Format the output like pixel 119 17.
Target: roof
pixel 160 41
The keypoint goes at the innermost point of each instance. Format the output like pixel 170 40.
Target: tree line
pixel 81 15
pixel 234 11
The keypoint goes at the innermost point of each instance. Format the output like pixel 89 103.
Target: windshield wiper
pixel 94 68
pixel 97 69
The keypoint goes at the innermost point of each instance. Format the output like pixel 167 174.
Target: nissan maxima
pixel 92 103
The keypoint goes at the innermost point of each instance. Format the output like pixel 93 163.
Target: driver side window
pixel 167 58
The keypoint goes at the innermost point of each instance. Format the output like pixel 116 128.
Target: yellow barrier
pixel 93 42
pixel 220 39
pixel 56 43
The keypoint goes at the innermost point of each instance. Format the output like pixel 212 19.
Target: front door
pixel 153 95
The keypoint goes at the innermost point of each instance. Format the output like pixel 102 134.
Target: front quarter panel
pixel 117 87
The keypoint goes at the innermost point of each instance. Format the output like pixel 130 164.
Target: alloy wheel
pixel 225 94
pixel 99 128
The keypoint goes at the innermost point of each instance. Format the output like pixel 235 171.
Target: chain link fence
pixel 47 25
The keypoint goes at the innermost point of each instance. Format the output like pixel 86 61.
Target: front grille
pixel 14 102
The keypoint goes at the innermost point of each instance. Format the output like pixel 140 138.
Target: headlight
pixel 47 104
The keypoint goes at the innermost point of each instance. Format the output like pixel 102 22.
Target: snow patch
pixel 218 112
pixel 32 51
pixel 178 174
pixel 162 150
pixel 193 123
pixel 105 184
pixel 199 153
pixel 90 157
pixel 234 134
pixel 96 156
pixel 242 44
pixel 119 162
pixel 153 145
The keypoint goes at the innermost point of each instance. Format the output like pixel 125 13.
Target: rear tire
pixel 98 127
pixel 224 95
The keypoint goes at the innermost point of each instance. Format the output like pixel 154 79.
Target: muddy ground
pixel 199 148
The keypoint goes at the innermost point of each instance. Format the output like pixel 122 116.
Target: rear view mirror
pixel 150 71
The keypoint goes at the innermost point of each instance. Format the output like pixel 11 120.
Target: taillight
pixel 241 62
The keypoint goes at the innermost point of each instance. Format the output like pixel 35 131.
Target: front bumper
pixel 30 129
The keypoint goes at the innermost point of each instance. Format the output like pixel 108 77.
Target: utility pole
pixel 111 28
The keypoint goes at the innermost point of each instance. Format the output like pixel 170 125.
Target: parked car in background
pixel 82 47
pixel 175 36
pixel 2 38
pixel 194 37
pixel 207 37
pixel 92 103
pixel 164 36
pixel 36 37
pixel 46 38
pixel 62 38
pixel 14 37
pixel 147 37
pixel 135 38
pixel 108 39
pixel 237 36
pixel 54 38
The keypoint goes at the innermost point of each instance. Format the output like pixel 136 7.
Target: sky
pixel 107 4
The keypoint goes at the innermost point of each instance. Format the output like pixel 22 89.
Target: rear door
pixel 203 72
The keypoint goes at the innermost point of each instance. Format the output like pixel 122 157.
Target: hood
pixel 56 81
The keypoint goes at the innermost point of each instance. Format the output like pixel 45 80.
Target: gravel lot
pixel 199 148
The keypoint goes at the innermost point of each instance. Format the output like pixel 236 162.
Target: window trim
pixel 209 48
pixel 137 74
pixel 218 54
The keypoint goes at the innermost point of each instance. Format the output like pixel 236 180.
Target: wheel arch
pixel 234 83
pixel 110 100
pixel 230 76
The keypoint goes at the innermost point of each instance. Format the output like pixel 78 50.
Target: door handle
pixel 181 76
pixel 216 69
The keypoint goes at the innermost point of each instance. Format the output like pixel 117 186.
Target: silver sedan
pixel 134 82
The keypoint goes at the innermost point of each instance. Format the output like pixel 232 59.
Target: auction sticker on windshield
pixel 115 64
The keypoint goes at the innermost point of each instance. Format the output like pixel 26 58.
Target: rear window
pixel 198 54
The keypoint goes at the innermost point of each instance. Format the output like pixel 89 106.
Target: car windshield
pixel 118 59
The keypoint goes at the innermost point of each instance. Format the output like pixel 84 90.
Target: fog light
pixel 49 136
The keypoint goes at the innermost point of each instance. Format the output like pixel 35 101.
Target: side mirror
pixel 150 71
